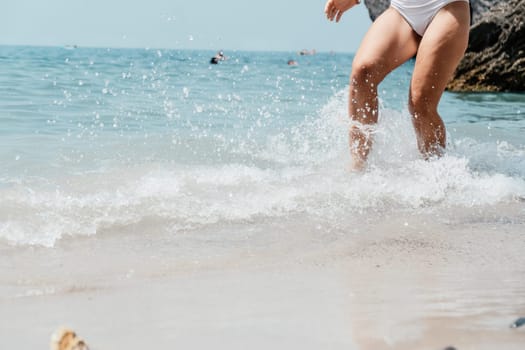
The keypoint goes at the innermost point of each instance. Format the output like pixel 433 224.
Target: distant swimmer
pixel 219 56
pixel 292 63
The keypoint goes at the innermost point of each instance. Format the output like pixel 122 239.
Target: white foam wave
pixel 298 172
pixel 192 198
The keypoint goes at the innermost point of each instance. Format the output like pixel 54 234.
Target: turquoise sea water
pixel 95 140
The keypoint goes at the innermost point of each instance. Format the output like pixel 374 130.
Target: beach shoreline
pixel 401 283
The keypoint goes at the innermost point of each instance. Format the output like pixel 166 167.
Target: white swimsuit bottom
pixel 419 13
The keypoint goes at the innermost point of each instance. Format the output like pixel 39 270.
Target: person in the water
pixel 219 56
pixel 437 31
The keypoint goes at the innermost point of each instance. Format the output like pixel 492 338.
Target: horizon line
pixel 76 46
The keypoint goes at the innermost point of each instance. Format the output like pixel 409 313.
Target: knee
pixel 366 73
pixel 420 103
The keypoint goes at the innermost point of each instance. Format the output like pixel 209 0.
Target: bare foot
pixel 357 165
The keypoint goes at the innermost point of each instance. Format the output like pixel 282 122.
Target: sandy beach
pixel 174 177
pixel 403 282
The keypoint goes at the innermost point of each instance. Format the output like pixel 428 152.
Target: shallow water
pixel 94 141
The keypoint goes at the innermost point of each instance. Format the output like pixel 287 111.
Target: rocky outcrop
pixel 376 7
pixel 495 57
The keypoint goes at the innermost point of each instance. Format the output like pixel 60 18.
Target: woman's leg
pixel 439 53
pixel 389 42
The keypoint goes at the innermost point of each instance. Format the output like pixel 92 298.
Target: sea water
pixel 93 141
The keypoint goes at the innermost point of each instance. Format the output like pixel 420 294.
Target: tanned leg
pixel 439 53
pixel 389 42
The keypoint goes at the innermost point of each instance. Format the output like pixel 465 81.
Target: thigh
pixel 389 42
pixel 441 48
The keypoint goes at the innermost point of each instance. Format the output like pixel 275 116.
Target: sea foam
pixel 302 171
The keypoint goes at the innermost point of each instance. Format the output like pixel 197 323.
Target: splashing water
pixel 168 140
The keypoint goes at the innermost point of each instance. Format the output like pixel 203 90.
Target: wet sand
pixel 403 282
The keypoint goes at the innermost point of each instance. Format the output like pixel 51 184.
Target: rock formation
pixel 495 57
pixel 376 7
